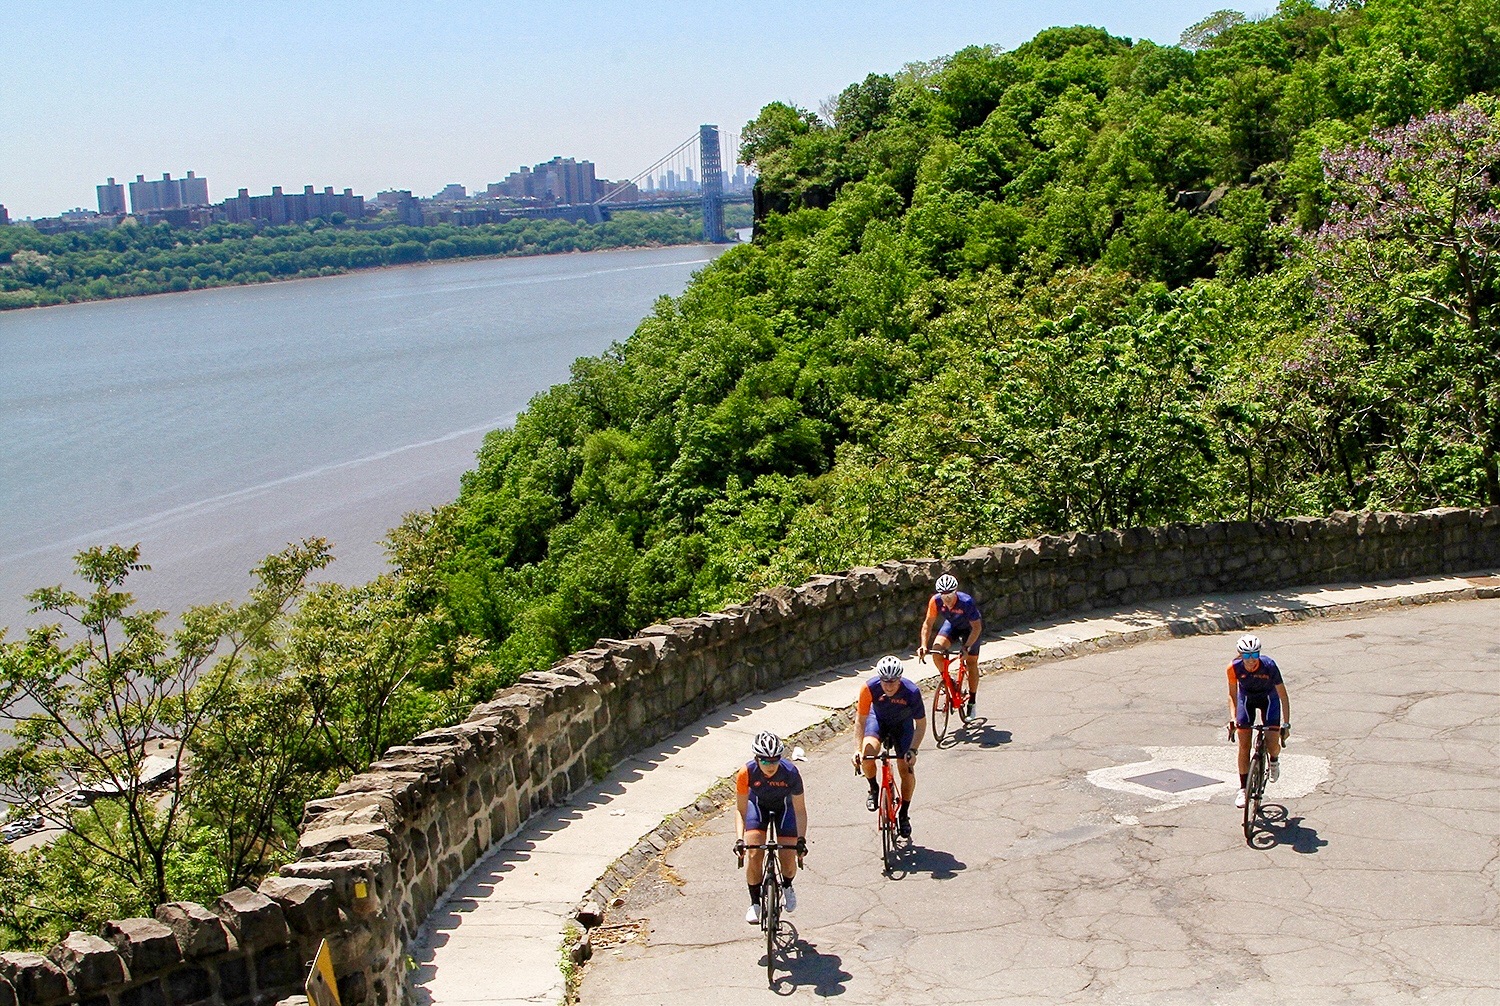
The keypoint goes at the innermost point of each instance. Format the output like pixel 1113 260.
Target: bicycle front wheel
pixel 770 918
pixel 1254 784
pixel 887 831
pixel 942 707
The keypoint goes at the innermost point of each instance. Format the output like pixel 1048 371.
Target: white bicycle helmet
pixel 947 583
pixel 767 745
pixel 889 668
pixel 1248 644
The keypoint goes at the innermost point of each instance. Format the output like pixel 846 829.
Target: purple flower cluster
pixel 1434 175
pixel 1414 213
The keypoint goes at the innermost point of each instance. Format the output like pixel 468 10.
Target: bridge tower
pixel 713 184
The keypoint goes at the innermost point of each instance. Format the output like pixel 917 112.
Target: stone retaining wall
pixel 377 855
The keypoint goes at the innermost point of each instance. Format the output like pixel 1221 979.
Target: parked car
pixel 21 827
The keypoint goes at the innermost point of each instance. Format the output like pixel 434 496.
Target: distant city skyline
pixel 402 97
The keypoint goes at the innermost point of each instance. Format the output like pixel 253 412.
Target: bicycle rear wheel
pixel 770 919
pixel 942 707
pixel 1254 785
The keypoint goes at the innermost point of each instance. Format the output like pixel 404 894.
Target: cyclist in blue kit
pixel 890 713
pixel 769 787
pixel 959 623
pixel 1255 683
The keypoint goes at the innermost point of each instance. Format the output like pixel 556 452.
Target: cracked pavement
pixel 1031 880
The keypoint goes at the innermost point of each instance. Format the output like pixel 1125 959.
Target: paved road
pixel 1039 874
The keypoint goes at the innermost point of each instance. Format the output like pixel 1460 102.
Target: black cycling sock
pixel 1244 778
pixel 754 893
pixel 905 810
pixel 786 884
pixel 874 787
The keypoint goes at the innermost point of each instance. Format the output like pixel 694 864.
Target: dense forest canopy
pixel 1086 283
pixel 1081 284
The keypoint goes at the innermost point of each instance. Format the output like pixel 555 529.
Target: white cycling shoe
pixel 752 915
pixel 1239 801
pixel 1274 772
pixel 789 899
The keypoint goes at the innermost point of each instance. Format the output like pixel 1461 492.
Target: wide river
pixel 214 427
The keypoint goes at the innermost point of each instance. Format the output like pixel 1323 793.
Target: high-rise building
pixel 561 180
pixel 452 193
pixel 111 198
pixel 194 190
pixel 281 208
pixel 4 216
pixel 167 194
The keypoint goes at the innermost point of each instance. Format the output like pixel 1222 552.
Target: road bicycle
pixel 1255 781
pixel 887 808
pixel 770 889
pixel 950 695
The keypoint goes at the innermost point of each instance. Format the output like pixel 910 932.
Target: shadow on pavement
pixel 1279 829
pixel 976 732
pixel 936 863
pixel 823 973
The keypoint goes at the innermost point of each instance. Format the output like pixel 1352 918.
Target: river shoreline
pixel 364 270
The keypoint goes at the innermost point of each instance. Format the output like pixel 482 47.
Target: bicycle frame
pixel 950 694
pixel 1255 781
pixel 888 808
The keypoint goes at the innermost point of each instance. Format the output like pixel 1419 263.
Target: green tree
pixel 1409 258
pixel 86 706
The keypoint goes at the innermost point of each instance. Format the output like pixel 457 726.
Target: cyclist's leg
pixel 971 662
pixel 870 748
pixel 1244 718
pixel 900 738
pixel 1273 726
pixel 940 643
pixel 755 859
pixel 786 836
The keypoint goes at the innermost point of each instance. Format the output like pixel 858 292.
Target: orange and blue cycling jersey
pixel 1255 690
pixel 1263 679
pixel 957 620
pixel 770 796
pixel 891 718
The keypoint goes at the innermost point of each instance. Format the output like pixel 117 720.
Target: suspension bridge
pixel 690 175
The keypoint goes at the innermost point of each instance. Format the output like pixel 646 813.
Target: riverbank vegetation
pixel 1086 283
pixel 38 270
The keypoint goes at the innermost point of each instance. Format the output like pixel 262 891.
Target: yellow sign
pixel 322 987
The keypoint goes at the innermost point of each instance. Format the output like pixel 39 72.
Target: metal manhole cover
pixel 1173 780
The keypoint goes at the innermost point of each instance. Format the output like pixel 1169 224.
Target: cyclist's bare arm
pixel 861 713
pixel 741 802
pixel 1286 704
pixel 919 732
pixel 799 804
pixel 925 636
pixel 1233 693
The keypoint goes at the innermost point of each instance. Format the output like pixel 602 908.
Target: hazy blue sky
pixel 383 95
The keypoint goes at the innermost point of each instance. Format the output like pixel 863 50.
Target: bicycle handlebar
pixel 740 848
pixel 883 756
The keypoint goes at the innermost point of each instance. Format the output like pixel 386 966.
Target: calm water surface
pixel 215 426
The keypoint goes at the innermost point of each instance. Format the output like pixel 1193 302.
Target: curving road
pixel 1039 873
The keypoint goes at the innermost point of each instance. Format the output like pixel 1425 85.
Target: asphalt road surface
pixel 1039 872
